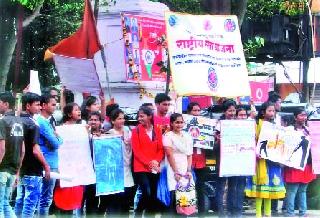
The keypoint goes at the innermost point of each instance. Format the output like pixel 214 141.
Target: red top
pixel 162 122
pixel 198 159
pixel 145 149
pixel 292 175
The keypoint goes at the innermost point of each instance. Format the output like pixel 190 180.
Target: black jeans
pixel 148 183
pixel 91 200
pixel 117 205
pixel 200 179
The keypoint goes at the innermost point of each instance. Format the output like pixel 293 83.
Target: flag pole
pixel 103 56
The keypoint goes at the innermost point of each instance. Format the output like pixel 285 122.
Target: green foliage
pixel 55 22
pixel 265 9
pixel 32 4
pixel 252 46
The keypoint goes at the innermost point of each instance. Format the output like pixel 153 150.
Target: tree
pixel 44 24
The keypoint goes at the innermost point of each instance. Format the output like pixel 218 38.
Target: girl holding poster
pixel 268 183
pixel 178 146
pixel 120 203
pixel 147 154
pixel 229 108
pixel 297 180
pixel 236 184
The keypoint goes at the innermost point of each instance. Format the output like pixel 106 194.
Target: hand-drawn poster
pixel 201 129
pixel 314 128
pixel 206 55
pixel 75 156
pixel 237 148
pixel 108 162
pixel 283 145
pixel 144 51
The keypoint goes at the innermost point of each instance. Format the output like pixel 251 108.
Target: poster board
pixel 108 162
pixel 283 145
pixel 75 156
pixel 314 128
pixel 201 130
pixel 237 148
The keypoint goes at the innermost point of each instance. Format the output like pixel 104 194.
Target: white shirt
pixel 182 147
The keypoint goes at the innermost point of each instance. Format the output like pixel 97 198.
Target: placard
pixel 108 162
pixel 75 160
pixel 237 148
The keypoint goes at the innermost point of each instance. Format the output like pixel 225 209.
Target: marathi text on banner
pixel 314 127
pixel 201 130
pixel 75 156
pixel 108 162
pixel 283 145
pixel 238 148
pixel 143 49
pixel 207 50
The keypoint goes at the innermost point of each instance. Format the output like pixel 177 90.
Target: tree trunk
pixel 217 7
pixel 240 10
pixel 8 37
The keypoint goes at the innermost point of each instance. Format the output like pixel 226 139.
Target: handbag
pixel 186 199
pixel 163 193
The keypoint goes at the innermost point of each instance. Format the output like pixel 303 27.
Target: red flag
pixel 82 44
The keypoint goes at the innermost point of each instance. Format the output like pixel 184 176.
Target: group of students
pixel 29 151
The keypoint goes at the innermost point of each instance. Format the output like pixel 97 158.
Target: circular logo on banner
pixel 229 25
pixel 207 25
pixel 259 94
pixel 173 20
pixel 212 78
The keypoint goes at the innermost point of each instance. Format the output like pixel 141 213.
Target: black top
pixel 11 130
pixel 31 166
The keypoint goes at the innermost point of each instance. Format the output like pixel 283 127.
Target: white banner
pixel 237 148
pixel 75 160
pixel 206 55
pixel 283 145
pixel 78 75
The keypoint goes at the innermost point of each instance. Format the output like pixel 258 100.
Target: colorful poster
pixel 75 156
pixel 201 129
pixel 144 52
pixel 314 127
pixel 206 55
pixel 237 148
pixel 283 145
pixel 108 162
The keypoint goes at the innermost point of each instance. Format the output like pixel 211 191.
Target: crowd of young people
pixel 29 152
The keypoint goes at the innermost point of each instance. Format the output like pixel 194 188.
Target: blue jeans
pixel 235 197
pixel 28 195
pixel 299 190
pixel 220 187
pixel 46 196
pixel 6 182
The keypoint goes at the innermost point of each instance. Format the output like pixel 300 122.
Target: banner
pixel 237 148
pixel 108 162
pixel 86 71
pixel 201 130
pixel 314 127
pixel 75 156
pixel 143 49
pixel 206 55
pixel 283 145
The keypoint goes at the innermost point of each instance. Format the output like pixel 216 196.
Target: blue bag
pixel 163 193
